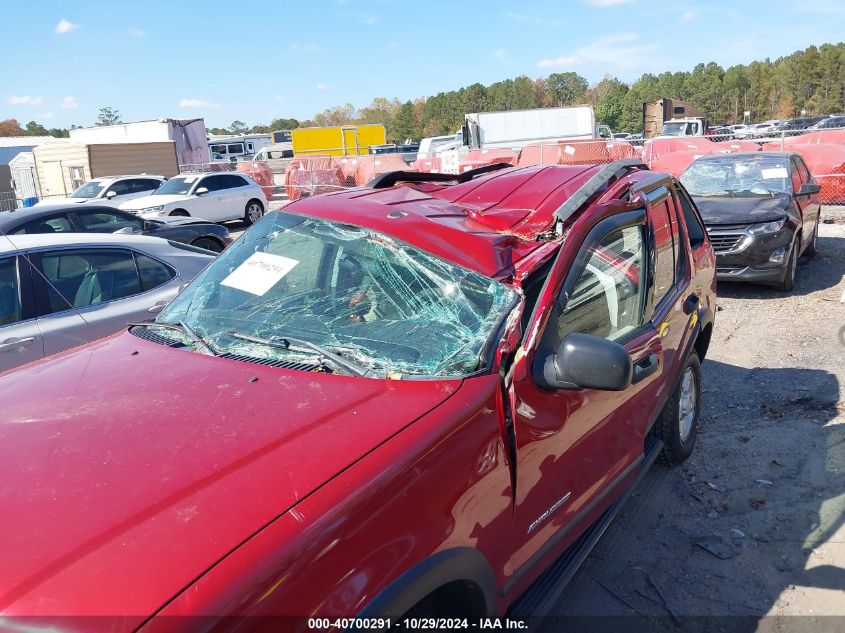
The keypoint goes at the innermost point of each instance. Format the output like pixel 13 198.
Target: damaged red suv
pixel 407 399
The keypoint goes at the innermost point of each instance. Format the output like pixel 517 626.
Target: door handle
pixel 691 304
pixel 157 306
pixel 21 342
pixel 646 367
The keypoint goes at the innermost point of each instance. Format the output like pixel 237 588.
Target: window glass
pixel 179 186
pixel 79 278
pixel 144 184
pixel 212 183
pixel 235 148
pixel 153 273
pixel 88 190
pixel 796 178
pixel 664 256
pixel 802 169
pixel 52 224
pixel 10 302
pixel 607 298
pixel 234 181
pixel 694 228
pixel 107 222
pixel 120 188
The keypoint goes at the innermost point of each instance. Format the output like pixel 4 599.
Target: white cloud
pixel 197 103
pixel 136 32
pixel 689 15
pixel 525 18
pixel 502 55
pixel 602 4
pixel 620 52
pixel 48 115
pixel 65 26
pixel 322 87
pixel 25 100
pixel 69 103
pixel 564 61
pixel 304 47
pixel 368 18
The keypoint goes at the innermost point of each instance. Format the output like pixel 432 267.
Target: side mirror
pixel 201 191
pixel 809 189
pixel 110 194
pixel 590 362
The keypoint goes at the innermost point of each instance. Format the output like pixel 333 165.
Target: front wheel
pixel 179 213
pixel 677 426
pixel 788 282
pixel 253 212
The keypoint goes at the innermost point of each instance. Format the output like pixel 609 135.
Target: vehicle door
pixel 117 192
pixel 211 206
pixel 808 203
pixel 576 449
pixel 87 293
pixel 235 196
pixel 20 338
pixel 105 221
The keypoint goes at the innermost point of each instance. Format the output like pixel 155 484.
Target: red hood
pixel 124 475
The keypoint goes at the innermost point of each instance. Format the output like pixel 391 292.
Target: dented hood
pixel 128 468
pixel 743 210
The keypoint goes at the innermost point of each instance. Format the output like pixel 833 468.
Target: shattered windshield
pixel 738 175
pixel 363 296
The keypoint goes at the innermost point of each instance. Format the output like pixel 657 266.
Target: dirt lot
pixel 765 486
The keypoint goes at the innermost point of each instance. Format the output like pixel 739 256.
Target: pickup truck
pixel 395 402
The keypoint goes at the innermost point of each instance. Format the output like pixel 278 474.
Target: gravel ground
pixel 765 486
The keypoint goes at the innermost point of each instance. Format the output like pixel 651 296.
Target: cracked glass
pixel 374 301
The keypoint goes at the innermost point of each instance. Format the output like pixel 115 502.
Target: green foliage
pixel 283 124
pixel 237 128
pixel 108 116
pixel 565 88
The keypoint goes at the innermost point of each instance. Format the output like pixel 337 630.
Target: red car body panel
pixel 183 487
pixel 136 450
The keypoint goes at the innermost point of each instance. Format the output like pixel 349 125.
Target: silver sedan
pixel 60 290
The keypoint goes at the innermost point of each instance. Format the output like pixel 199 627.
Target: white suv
pixel 111 191
pixel 218 197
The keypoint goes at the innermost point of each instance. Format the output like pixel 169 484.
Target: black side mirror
pixel 590 362
pixel 809 189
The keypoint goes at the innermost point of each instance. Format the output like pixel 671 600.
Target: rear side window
pixel 107 222
pixel 144 184
pixel 153 273
pixel 213 183
pixel 234 181
pixel 664 249
pixel 695 229
pixel 11 310
pixel 53 224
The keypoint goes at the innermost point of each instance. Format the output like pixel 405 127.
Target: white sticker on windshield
pixel 259 273
pixel 774 172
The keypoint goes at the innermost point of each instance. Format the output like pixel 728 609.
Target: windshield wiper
pixel 298 344
pixel 181 326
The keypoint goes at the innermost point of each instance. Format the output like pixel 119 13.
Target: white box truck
pixel 516 128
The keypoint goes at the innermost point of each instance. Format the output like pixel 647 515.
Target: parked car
pixel 61 218
pixel 110 191
pixel 60 290
pixel 719 133
pixel 761 210
pixel 830 122
pixel 218 197
pixel 371 408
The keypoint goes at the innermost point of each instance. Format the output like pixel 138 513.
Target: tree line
pixel 810 82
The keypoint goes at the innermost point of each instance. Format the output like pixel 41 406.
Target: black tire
pixel 180 213
pixel 788 282
pixel 811 247
pixel 208 244
pixel 253 212
pixel 673 427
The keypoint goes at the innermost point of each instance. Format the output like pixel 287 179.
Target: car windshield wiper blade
pixel 298 344
pixel 181 326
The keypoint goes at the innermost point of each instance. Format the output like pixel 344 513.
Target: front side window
pixel 376 301
pixel 695 228
pixel 120 188
pixel 607 298
pixel 107 222
pixel 664 250
pixel 11 310
pixel 80 278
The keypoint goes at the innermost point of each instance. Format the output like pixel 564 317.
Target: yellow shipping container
pixel 339 140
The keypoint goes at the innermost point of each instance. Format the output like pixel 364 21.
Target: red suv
pixel 396 401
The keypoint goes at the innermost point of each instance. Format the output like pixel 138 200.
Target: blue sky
pixel 255 60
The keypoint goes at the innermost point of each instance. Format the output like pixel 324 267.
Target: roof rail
pixel 390 178
pixel 606 174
